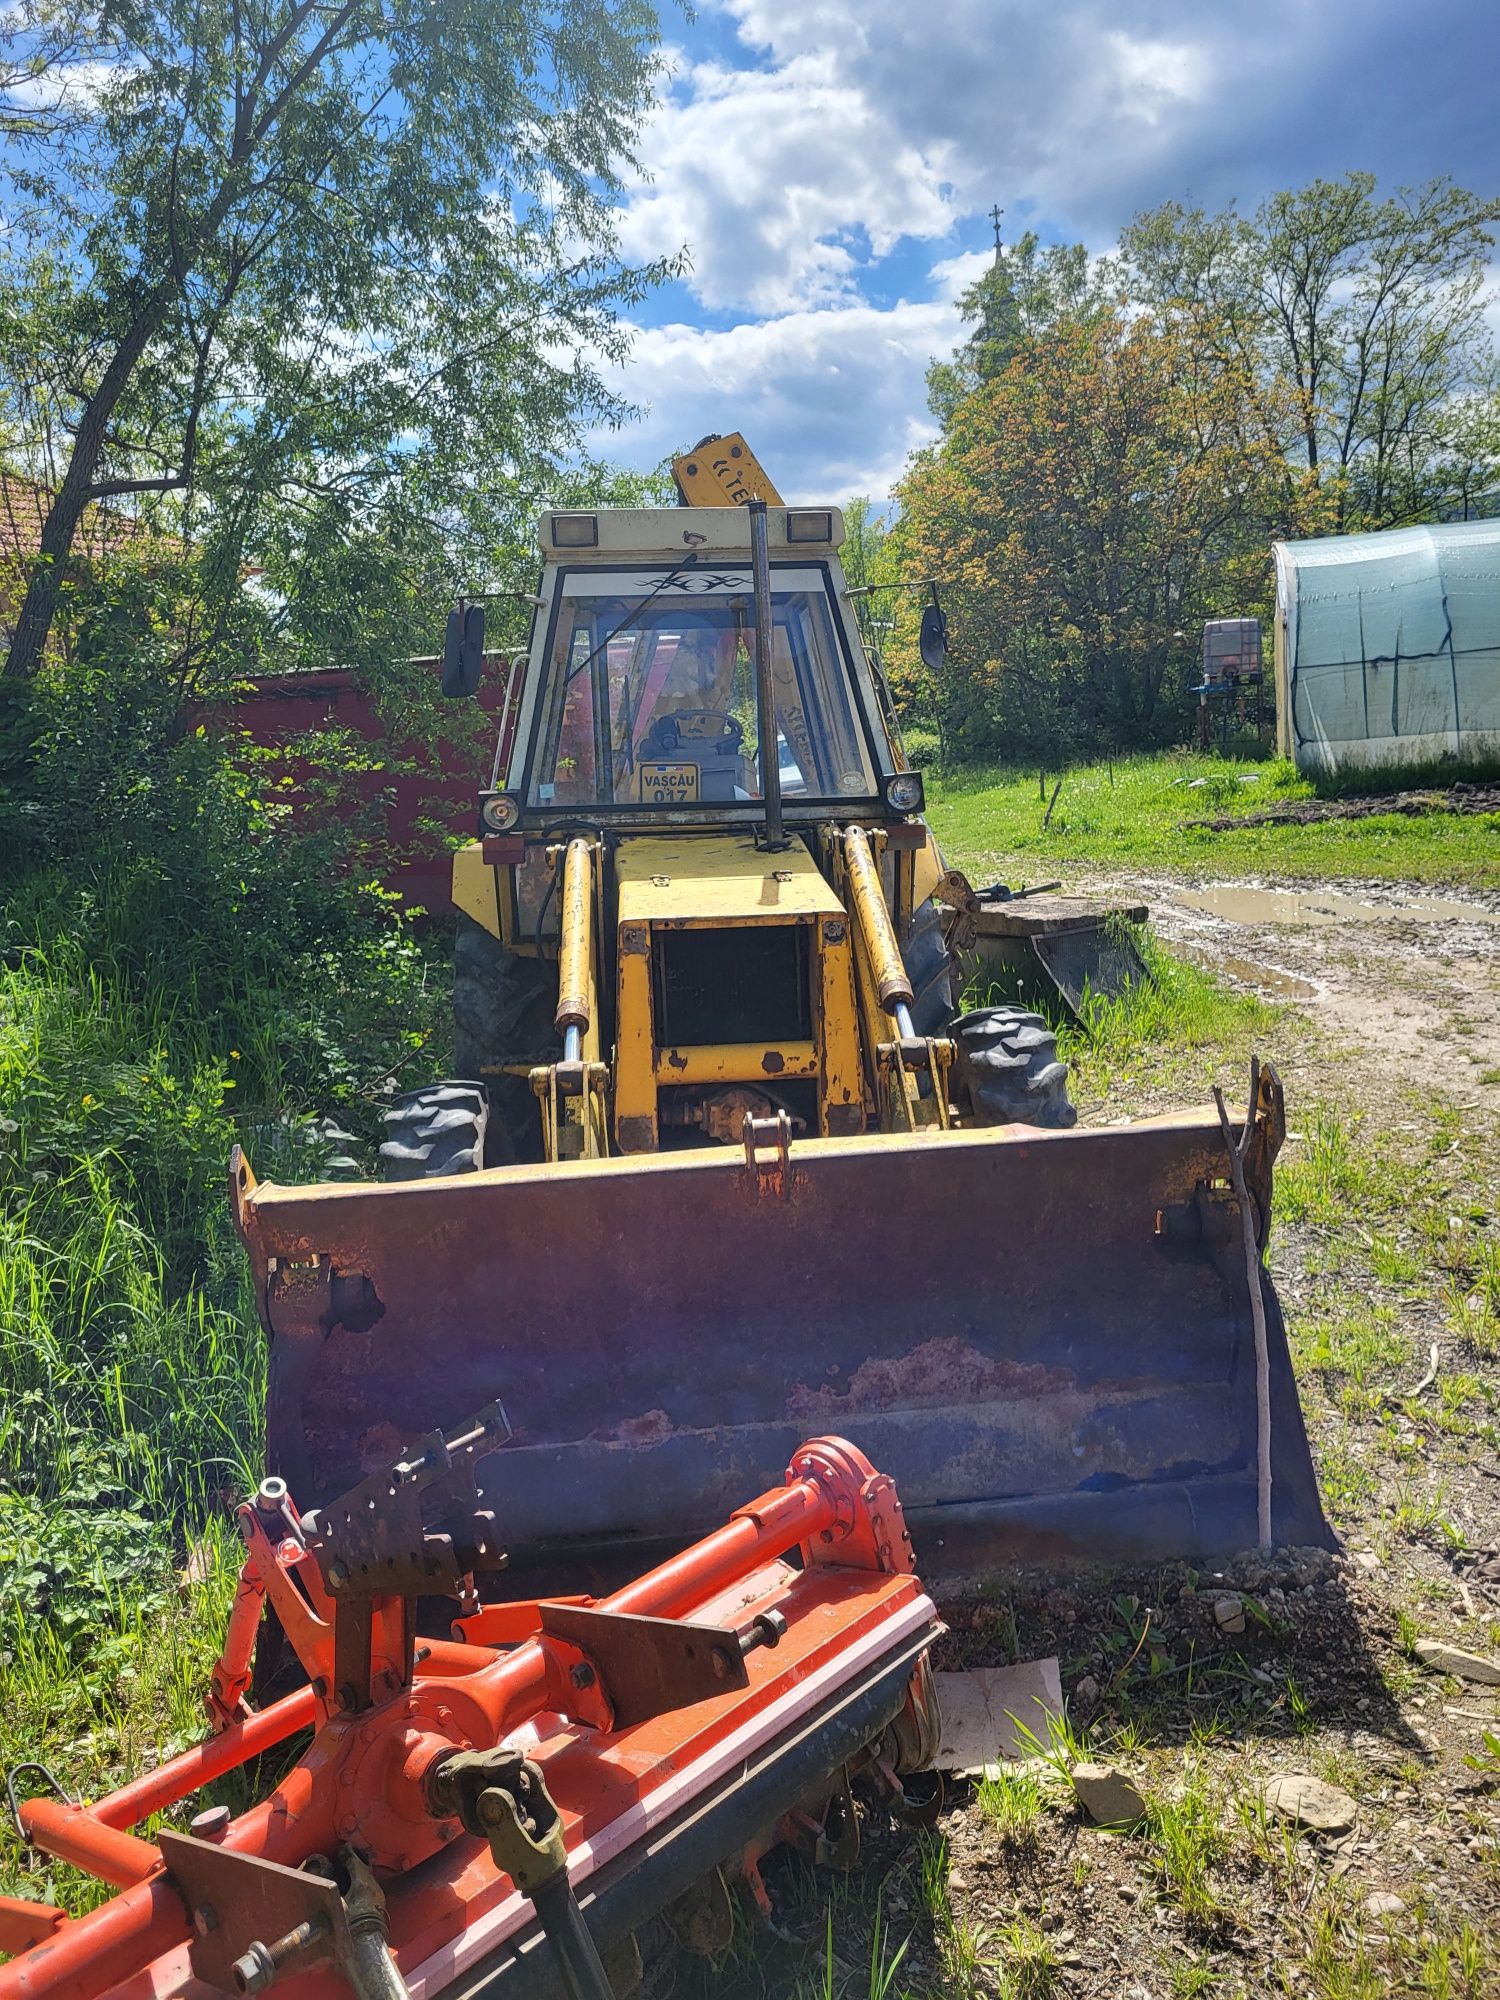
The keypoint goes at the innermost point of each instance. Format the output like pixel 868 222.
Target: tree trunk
pixel 34 625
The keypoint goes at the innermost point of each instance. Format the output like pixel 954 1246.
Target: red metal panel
pixel 451 767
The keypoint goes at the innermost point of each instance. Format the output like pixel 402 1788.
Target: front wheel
pixel 1008 1068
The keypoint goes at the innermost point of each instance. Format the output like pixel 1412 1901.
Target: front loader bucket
pixel 1045 1337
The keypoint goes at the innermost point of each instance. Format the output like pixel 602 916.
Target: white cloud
pixel 831 399
pixel 855 128
pixel 778 181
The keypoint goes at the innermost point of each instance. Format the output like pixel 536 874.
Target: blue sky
pixel 829 165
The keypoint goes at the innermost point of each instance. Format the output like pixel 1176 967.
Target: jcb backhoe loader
pixel 724 1166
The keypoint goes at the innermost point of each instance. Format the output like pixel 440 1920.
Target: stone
pixel 1367 1559
pixel 1297 1796
pixel 1229 1613
pixel 1107 1795
pixel 1381 1903
pixel 1086 1694
pixel 1454 1660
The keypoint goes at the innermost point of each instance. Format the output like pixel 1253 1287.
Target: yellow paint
pixel 737 1062
pixel 635 1060
pixel 877 933
pixel 927 871
pixel 476 888
pixel 718 879
pixel 723 472
pixel 575 963
pixel 838 1029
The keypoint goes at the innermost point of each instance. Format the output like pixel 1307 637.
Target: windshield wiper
pixel 633 613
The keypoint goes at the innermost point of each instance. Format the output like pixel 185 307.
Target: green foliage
pixel 334 288
pixel 1088 506
pixel 1121 441
pixel 179 968
pixel 1363 321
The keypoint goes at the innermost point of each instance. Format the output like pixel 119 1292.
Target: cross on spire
pixel 995 214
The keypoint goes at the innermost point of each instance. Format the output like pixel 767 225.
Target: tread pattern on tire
pixel 929 967
pixel 1008 1066
pixel 436 1130
pixel 502 1012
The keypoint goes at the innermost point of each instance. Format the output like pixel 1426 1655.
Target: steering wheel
pixel 723 731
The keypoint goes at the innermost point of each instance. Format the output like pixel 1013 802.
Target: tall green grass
pixel 158 1001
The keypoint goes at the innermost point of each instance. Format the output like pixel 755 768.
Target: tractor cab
pixel 700 744
pixel 641 698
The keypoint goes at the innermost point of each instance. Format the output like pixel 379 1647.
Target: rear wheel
pixel 436 1130
pixel 502 1013
pixel 1008 1067
pixel 929 967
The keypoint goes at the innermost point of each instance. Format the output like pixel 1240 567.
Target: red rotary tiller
pixel 498 1813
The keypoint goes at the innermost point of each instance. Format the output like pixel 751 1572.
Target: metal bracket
pixel 254 1920
pixel 373 1541
pixel 768 1152
pixel 651 1666
pixel 373 1545
pixel 251 1918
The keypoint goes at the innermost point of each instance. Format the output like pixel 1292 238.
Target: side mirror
pixel 463 653
pixel 934 640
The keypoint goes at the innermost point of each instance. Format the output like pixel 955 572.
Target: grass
pixel 1187 1843
pixel 144 1027
pixel 1131 815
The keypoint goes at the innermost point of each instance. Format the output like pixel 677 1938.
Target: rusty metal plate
pixel 993 1317
pixel 650 1666
pixel 234 1900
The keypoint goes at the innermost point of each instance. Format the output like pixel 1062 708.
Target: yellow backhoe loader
pixel 723 1165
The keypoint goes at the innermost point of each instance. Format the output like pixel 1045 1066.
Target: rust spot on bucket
pixel 937 1373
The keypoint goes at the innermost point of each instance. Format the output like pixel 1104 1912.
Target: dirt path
pixel 1407 980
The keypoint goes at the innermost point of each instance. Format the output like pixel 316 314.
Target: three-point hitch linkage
pixel 502 1809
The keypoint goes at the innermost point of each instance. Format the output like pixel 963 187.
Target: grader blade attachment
pixel 1046 1336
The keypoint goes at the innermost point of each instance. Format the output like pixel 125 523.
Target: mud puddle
pixel 1235 903
pixel 1265 978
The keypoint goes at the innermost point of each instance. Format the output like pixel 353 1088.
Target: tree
pixel 1099 497
pixel 1361 319
pixel 322 283
pixel 1025 291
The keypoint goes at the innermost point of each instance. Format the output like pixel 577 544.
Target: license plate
pixel 668 784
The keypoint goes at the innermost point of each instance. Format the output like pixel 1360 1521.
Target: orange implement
pixel 674 1728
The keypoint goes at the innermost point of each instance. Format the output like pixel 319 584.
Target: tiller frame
pixel 493 1812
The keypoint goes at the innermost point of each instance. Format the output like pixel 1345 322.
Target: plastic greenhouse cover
pixel 1392 651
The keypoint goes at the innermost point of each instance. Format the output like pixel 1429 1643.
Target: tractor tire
pixel 436 1130
pixel 502 1012
pixel 929 967
pixel 1008 1069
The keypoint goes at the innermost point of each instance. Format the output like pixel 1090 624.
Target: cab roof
pixel 605 534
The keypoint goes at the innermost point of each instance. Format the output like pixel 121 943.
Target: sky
pixel 829 166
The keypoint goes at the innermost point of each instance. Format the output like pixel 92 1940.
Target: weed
pixel 1191 1978
pixel 1013 1802
pixel 964 1948
pixel 1186 1837
pixel 1027 1960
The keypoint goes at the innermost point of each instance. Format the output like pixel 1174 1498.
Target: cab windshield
pixel 649 695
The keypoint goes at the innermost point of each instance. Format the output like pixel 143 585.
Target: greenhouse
pixel 1388 647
